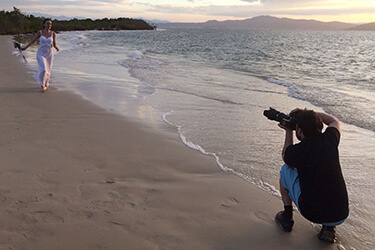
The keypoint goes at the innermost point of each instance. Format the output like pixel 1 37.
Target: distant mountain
pixel 264 22
pixel 181 25
pixel 60 18
pixel 155 21
pixel 367 26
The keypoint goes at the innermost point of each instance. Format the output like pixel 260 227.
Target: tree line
pixel 14 22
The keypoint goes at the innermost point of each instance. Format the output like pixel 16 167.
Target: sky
pixel 352 11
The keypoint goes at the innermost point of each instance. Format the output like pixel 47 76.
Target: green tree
pixel 15 22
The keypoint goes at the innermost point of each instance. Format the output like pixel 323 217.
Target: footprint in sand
pixel 230 202
pixel 47 216
pixel 263 216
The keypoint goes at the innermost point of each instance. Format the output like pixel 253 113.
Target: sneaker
pixel 284 224
pixel 327 234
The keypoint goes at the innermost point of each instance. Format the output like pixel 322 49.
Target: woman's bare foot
pixel 44 88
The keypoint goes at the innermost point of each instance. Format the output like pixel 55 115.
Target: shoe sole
pixel 327 237
pixel 281 227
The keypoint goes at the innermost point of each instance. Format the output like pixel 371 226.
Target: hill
pixel 264 22
pixel 367 26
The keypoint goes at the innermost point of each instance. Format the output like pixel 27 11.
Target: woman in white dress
pixel 44 56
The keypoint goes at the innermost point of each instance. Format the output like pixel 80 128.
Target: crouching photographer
pixel 311 176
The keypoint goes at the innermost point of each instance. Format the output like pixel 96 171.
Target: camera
pixel 285 120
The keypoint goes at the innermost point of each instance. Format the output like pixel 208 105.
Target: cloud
pixel 255 10
pixel 187 10
pixel 251 1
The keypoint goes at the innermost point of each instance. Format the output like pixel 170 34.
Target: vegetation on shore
pixel 14 22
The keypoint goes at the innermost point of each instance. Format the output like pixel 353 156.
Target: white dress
pixel 44 56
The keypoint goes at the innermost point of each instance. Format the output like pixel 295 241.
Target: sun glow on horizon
pixel 362 11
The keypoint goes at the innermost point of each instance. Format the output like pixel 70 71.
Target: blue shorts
pixel 290 180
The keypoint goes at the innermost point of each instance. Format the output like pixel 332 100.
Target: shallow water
pixel 213 85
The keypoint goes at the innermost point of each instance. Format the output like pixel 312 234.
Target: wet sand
pixel 75 176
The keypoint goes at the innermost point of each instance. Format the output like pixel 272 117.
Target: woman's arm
pixel 33 41
pixel 54 42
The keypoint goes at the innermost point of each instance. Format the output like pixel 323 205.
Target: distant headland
pixel 270 23
pixel 15 22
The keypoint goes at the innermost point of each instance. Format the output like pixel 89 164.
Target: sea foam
pixel 260 184
pixel 135 54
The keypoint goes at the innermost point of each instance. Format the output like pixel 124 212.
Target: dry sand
pixel 75 176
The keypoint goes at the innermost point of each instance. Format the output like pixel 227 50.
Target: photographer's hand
pixel 282 126
pixel 330 121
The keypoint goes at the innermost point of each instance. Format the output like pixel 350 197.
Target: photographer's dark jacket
pixel 323 198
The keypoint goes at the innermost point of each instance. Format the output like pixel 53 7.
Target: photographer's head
pixel 307 122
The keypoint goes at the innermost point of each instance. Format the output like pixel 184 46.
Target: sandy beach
pixel 75 176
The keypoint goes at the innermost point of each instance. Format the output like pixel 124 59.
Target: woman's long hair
pixel 45 20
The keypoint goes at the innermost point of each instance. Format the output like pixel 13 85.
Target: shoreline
pixel 75 176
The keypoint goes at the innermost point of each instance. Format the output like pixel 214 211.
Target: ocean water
pixel 213 86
